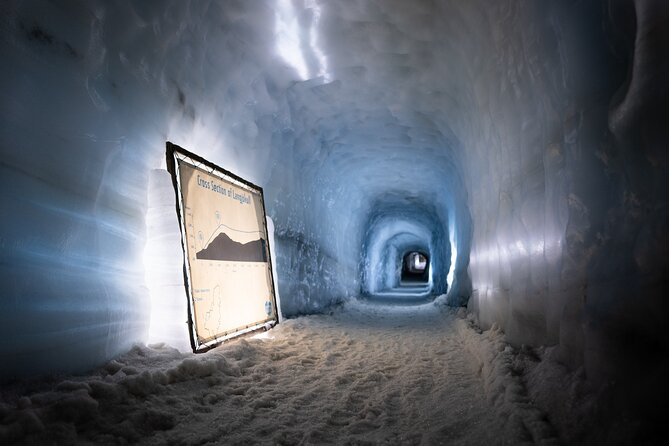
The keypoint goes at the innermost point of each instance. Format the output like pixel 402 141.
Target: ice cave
pixel 467 204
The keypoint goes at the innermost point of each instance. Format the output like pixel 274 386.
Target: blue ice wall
pixel 90 93
pixel 567 206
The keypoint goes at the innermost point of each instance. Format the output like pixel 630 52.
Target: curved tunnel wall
pixel 396 225
pixel 559 243
pixel 527 136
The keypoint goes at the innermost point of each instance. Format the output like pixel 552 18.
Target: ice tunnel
pixel 398 226
pixel 521 146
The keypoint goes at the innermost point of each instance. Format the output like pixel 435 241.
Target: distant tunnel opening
pixel 415 269
pixel 407 250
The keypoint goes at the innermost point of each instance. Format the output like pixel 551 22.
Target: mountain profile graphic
pixel 225 249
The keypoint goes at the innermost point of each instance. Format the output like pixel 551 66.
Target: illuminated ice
pixel 522 145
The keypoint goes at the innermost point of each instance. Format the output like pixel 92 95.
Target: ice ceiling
pixel 518 143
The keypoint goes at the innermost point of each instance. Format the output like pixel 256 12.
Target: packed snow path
pixel 363 374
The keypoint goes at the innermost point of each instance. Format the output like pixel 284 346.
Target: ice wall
pixel 90 93
pixel 569 203
pixel 562 144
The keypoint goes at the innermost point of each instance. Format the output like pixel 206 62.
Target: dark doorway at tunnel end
pixel 415 268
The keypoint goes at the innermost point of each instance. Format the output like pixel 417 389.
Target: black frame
pixel 171 151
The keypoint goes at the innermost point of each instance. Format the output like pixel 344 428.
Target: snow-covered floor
pixel 363 374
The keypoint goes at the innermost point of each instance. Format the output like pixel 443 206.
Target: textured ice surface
pixel 388 375
pixel 528 137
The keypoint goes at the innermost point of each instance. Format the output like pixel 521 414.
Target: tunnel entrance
pixel 406 251
pixel 415 268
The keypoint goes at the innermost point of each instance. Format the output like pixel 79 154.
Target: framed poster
pixel 227 263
